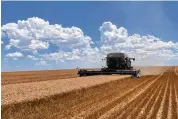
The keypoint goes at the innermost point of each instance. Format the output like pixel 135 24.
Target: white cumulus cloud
pixel 73 45
pixel 36 44
pixel 148 50
pixel 115 39
pixel 15 55
pixel 36 34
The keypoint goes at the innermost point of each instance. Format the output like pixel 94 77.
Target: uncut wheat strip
pixel 16 93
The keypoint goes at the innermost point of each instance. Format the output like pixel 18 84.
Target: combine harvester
pixel 117 63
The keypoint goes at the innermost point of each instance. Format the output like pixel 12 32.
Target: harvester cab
pixel 117 63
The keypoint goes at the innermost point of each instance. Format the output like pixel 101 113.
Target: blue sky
pixel 158 19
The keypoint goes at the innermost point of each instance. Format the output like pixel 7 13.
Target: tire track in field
pixel 123 112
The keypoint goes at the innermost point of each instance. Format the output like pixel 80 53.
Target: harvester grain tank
pixel 117 63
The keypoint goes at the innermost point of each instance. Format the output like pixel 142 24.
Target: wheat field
pixel 151 96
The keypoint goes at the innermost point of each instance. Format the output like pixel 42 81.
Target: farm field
pixel 36 76
pixel 154 95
